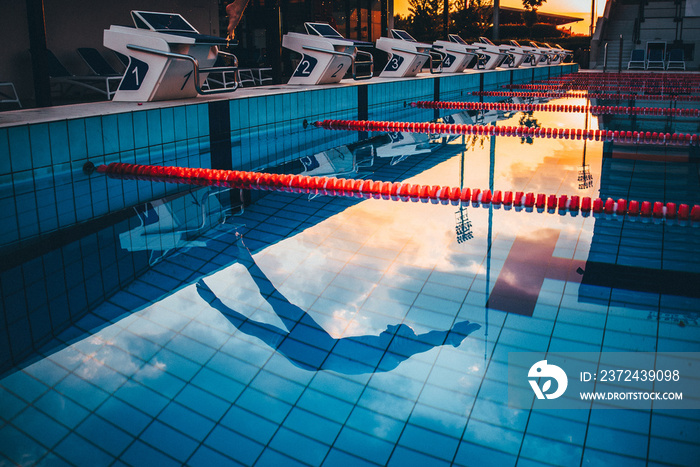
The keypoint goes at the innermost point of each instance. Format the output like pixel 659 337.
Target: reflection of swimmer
pixel 307 345
pixel 234 11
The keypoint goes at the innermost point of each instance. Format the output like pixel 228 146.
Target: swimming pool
pixel 351 331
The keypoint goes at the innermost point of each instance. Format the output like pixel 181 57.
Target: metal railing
pixel 429 55
pixel 369 62
pixel 619 56
pixel 605 56
pixel 196 68
pixel 352 57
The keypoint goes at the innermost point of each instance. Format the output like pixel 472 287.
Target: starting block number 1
pixel 134 76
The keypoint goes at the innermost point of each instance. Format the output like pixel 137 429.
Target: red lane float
pixel 594 109
pixel 624 80
pixel 631 75
pixel 636 83
pixel 676 139
pixel 586 95
pixel 362 188
pixel 645 88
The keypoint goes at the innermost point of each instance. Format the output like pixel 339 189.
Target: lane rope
pixel 648 137
pixel 685 78
pixel 593 109
pixel 585 95
pixel 621 82
pixel 683 214
pixel 642 88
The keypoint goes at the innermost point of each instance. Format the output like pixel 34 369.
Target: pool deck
pixel 95 109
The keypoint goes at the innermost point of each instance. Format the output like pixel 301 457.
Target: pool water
pixel 273 328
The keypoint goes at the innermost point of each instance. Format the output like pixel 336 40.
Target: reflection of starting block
pixel 407 56
pixel 458 53
pixel 585 178
pixel 168 58
pixel 163 228
pixel 403 145
pixel 460 118
pixel 463 226
pixel 325 55
pixel 337 162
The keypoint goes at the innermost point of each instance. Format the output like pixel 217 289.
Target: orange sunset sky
pixel 579 8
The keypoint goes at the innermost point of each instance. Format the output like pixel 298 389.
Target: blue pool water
pixel 347 331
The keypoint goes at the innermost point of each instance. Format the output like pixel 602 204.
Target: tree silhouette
pixel 530 15
pixel 527 120
pixel 473 20
pixel 425 19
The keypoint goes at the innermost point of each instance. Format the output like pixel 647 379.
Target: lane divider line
pixel 584 95
pixel 648 137
pixel 646 87
pixel 593 109
pixel 683 214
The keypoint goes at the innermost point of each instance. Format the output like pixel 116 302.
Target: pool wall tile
pixel 20 337
pixel 5 166
pixel 192 118
pixel 249 112
pixel 20 150
pixel 40 145
pixel 110 129
pixel 155 132
pixel 167 116
pixel 94 136
pixel 125 126
pixel 203 119
pixel 179 123
pixel 233 109
pixel 272 112
pixel 140 121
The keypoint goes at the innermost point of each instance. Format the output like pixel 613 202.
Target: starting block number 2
pixel 306 66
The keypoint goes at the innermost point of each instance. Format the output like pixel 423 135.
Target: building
pixel 631 24
pixel 508 15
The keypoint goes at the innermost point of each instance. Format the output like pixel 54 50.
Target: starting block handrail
pixel 428 55
pixel 442 55
pixel 195 66
pixel 332 52
pixel 369 62
pixel 414 52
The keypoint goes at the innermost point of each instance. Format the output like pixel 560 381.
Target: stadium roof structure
pixel 509 15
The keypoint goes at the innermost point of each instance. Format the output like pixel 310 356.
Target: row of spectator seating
pixel 654 60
